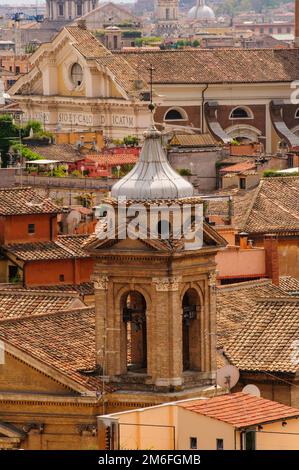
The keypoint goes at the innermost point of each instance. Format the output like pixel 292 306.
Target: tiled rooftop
pixel 289 284
pixel 20 303
pixel 274 207
pixel 61 152
pixel 241 410
pixel 239 167
pixel 235 303
pixel 193 140
pixel 85 288
pixel 64 247
pixel 64 341
pixel 23 201
pixel 218 65
pixel 268 339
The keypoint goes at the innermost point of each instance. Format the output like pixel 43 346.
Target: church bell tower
pixel 166 16
pixel 67 10
pixel 154 294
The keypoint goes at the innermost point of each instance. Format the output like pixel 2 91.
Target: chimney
pixel 243 237
pixel 296 42
pixel 272 264
pixel 81 24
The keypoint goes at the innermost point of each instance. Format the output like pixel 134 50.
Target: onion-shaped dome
pixel 152 177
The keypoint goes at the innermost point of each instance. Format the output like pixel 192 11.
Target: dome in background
pixel 201 12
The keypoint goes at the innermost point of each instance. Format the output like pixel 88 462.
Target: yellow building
pixel 235 421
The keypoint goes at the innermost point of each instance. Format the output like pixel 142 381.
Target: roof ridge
pixel 256 191
pixel 39 292
pixel 45 315
pixel 248 284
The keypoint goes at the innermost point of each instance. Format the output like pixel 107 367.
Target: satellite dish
pixel 252 390
pixel 227 376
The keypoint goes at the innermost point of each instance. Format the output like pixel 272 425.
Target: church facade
pixel 76 83
pixel 244 95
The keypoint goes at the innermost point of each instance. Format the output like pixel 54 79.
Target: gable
pixel 52 63
pixel 18 376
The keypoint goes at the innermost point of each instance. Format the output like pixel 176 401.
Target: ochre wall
pixel 37 273
pixel 17 376
pixel 288 253
pixel 14 229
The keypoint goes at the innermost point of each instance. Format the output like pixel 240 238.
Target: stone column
pixel 101 306
pixel 167 355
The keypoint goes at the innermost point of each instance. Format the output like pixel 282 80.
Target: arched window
pixel 241 113
pixel 164 229
pixel 175 115
pixel 134 330
pixel 191 348
pixel 76 74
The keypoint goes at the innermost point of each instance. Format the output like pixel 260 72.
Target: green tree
pixel 8 131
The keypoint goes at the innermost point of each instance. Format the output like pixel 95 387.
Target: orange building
pixel 32 251
pixel 14 65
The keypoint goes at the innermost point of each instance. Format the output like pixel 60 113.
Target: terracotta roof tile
pixel 289 284
pixel 61 152
pixel 193 140
pixel 19 303
pixel 268 339
pixel 239 167
pixel 235 303
pixel 64 247
pixel 23 201
pixel 274 207
pixel 64 341
pixel 86 43
pixel 85 288
pixel 241 410
pixel 217 65
pixel 113 160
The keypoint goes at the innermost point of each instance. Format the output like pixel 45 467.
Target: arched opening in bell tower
pixel 134 319
pixel 191 331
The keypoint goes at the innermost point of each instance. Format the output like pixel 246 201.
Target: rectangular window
pixel 193 442
pixel 60 10
pixel 219 444
pixel 17 69
pixel 242 183
pixel 61 277
pixel 31 228
pixel 12 273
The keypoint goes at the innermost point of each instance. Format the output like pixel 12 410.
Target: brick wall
pixel 258 121
pixel 193 113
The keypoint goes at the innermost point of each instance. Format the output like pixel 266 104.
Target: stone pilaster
pixel 168 332
pixel 101 303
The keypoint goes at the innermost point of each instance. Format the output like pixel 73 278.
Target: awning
pixel 213 124
pixel 42 162
pixel 276 112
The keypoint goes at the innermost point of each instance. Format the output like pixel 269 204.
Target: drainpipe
pixel 202 108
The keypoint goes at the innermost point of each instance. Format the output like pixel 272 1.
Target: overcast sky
pixel 40 2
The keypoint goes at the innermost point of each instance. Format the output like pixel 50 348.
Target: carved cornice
pixel 163 284
pixel 101 283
